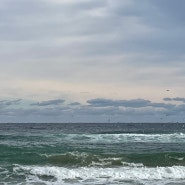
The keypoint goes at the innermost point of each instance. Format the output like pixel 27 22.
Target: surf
pixel 89 175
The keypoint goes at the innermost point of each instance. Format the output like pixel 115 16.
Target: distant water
pixel 92 154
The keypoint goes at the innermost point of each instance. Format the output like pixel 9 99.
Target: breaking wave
pixel 89 175
pixel 125 137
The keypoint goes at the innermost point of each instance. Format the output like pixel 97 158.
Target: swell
pixel 77 159
pixel 106 155
pixel 85 159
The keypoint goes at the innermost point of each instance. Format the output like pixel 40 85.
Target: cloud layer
pixel 49 102
pixel 94 110
pixel 125 52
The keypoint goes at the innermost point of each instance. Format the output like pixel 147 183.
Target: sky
pixel 92 61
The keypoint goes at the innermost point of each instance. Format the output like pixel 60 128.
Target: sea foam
pixel 54 139
pixel 124 137
pixel 84 175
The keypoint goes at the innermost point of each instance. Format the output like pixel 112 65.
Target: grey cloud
pixel 174 10
pixel 75 104
pixel 135 103
pixel 126 103
pixel 36 20
pixel 179 99
pixel 162 105
pixel 134 110
pixel 126 28
pixel 9 102
pixel 167 99
pixel 80 41
pixel 175 99
pixel 49 102
pixel 156 13
pixel 177 111
pixel 157 16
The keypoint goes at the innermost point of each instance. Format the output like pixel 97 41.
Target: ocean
pixel 92 154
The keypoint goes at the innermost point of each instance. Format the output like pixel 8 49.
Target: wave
pixel 56 139
pixel 124 138
pixel 93 158
pixel 77 159
pixel 97 175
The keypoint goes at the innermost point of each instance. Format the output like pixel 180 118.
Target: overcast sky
pixel 92 61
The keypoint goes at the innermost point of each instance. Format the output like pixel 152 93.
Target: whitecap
pixel 82 175
pixel 126 138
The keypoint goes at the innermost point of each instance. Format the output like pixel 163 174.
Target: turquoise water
pixel 130 154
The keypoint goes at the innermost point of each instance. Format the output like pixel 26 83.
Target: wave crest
pixel 83 175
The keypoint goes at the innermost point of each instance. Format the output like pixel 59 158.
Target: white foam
pixel 101 175
pixel 100 138
pixel 125 137
pixel 3 171
pixel 177 158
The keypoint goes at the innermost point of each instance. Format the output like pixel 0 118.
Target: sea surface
pixel 92 154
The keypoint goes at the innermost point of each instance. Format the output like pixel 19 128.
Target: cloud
pixel 135 103
pixel 125 103
pixel 49 102
pixel 175 99
pixel 96 110
pixel 10 102
pixel 126 46
pixel 167 99
pixel 162 105
pixel 173 11
pixel 75 104
pixel 124 26
pixel 179 99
